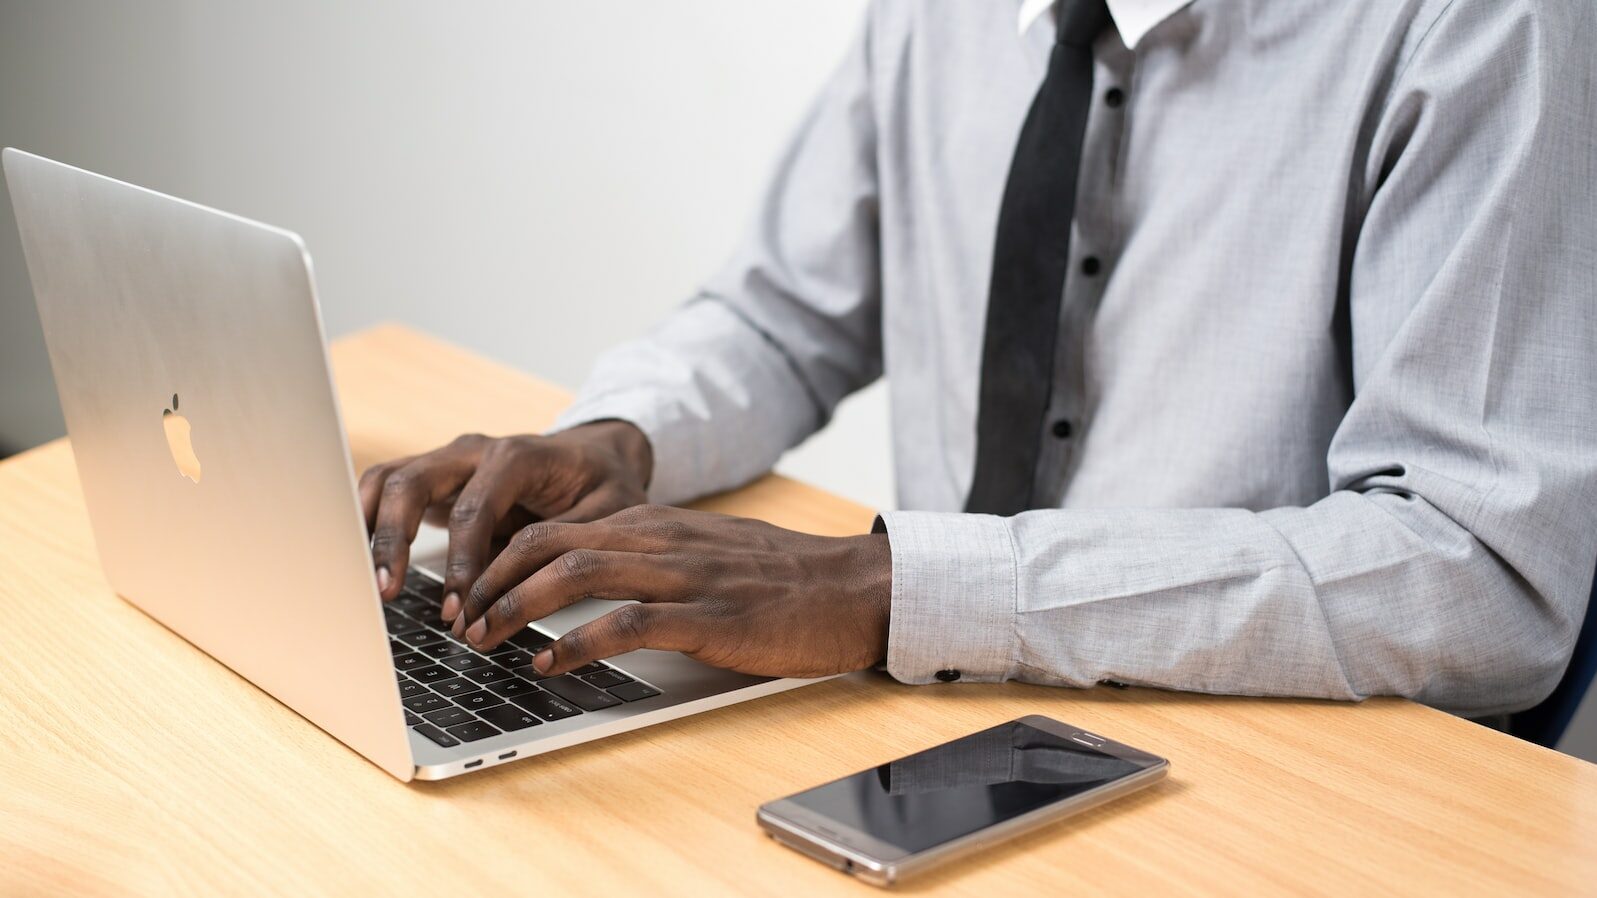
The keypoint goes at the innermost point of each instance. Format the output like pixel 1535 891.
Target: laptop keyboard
pixel 454 694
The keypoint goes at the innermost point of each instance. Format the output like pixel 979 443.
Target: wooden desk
pixel 130 763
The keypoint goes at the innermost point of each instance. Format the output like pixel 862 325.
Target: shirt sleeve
pixel 1452 559
pixel 759 360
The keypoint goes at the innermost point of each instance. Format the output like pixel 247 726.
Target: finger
pixel 601 503
pixel 575 575
pixel 406 492
pixel 483 502
pixel 667 626
pixel 517 518
pixel 533 546
pixel 437 514
pixel 371 485
pixel 641 528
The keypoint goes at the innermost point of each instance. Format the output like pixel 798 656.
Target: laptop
pixel 189 357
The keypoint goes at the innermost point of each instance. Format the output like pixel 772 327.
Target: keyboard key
pixel 448 717
pixel 431 618
pixel 512 686
pixel 471 732
pixel 413 605
pixel 445 649
pixel 436 735
pixel 424 586
pixel 508 655
pixel 410 689
pixel 430 674
pixel 397 648
pixel 421 704
pixel 411 661
pixel 546 706
pixel 604 679
pixel 509 717
pixel 411 719
pixel 398 623
pixel 531 639
pixel 465 689
pixel 487 675
pixel 530 673
pixel 454 686
pixel 478 700
pixel 633 692
pixel 587 669
pixel 421 608
pixel 466 662
pixel 580 694
pixel 422 637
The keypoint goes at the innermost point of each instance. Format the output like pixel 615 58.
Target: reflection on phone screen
pixel 953 790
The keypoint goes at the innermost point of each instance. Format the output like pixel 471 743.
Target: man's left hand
pixel 731 592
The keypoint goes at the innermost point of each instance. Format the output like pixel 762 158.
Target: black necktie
pixel 1029 262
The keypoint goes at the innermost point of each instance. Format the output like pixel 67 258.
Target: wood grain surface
pixel 132 764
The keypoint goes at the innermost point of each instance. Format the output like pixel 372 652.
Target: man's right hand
pixel 485 488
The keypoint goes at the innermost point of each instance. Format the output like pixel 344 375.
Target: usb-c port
pixel 476 763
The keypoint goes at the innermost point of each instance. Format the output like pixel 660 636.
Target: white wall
pixel 532 179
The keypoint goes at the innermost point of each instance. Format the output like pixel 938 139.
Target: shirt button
pixel 947 676
pixel 1090 266
pixel 1114 97
pixel 1062 429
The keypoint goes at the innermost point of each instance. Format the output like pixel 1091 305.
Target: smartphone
pixel 900 818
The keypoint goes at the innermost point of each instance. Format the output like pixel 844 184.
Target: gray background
pixel 534 180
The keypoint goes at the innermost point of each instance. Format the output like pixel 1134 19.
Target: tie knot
pixel 1080 21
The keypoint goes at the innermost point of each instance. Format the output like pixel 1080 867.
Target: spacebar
pixel 579 693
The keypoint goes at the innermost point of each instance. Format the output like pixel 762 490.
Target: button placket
pixel 1064 428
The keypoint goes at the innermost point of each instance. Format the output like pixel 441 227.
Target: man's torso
pixel 1207 362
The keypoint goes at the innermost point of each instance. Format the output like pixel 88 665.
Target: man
pixel 1261 362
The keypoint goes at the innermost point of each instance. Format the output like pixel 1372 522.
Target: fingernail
pixel 476 632
pixel 542 661
pixel 383 578
pixel 451 607
pixel 459 627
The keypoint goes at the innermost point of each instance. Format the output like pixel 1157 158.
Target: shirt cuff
pixel 954 597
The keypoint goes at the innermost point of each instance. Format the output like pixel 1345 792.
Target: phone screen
pixel 943 793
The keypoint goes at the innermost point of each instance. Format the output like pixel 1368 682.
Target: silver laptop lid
pixel 189 357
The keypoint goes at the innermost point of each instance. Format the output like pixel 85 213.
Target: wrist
pixel 872 576
pixel 627 442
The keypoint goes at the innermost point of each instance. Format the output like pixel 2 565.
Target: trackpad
pixel 430 548
pixel 575 615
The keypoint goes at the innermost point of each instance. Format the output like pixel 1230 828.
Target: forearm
pixel 1359 595
pixel 717 408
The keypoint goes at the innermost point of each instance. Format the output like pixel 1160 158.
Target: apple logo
pixel 178 439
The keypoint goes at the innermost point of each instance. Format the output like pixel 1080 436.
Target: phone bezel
pixel 880 862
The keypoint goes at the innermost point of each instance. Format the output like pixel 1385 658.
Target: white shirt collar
pixel 1133 18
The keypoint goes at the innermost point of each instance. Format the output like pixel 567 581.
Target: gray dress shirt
pixel 1331 394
